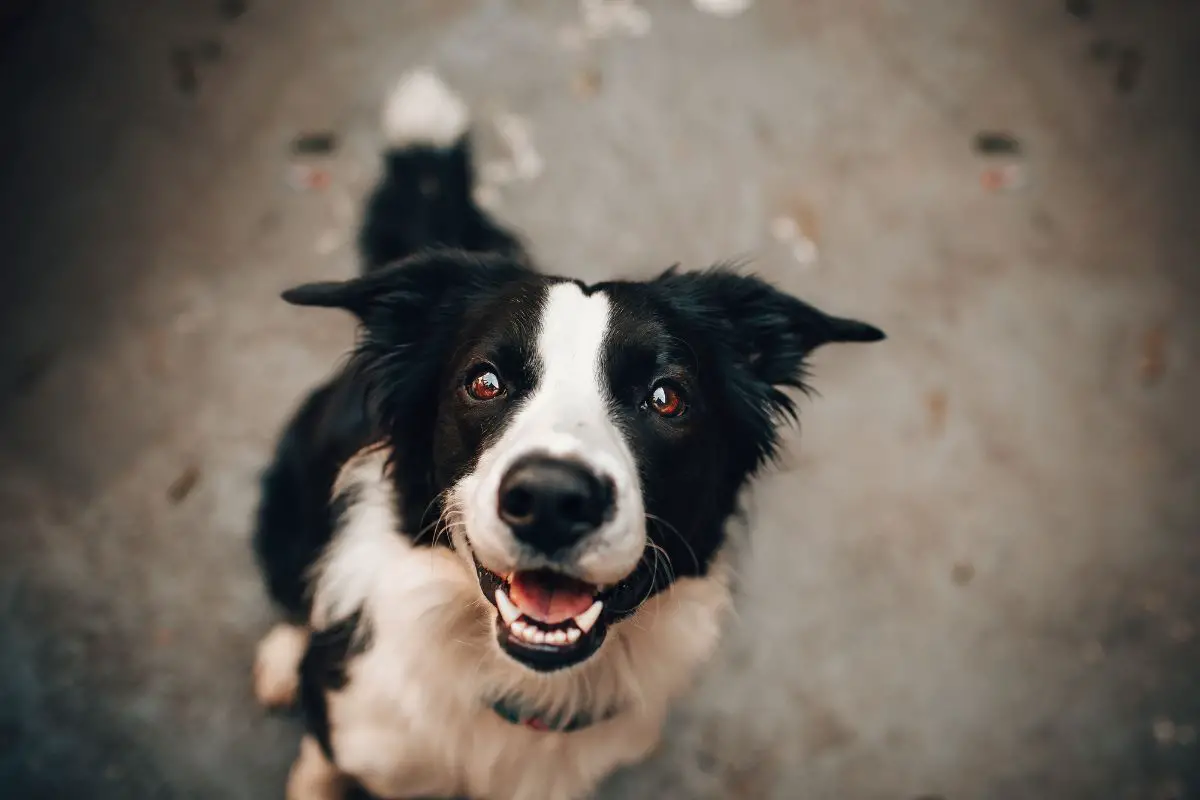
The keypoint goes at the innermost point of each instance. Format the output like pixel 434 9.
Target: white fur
pixel 415 717
pixel 277 665
pixel 312 776
pixel 567 416
pixel 422 109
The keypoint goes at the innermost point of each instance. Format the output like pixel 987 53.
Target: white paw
pixel 277 665
pixel 312 776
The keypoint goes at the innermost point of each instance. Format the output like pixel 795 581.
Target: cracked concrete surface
pixel 974 575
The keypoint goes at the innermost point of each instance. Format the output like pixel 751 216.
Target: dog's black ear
pixel 760 339
pixel 770 330
pixel 408 284
pixel 328 294
pixel 409 313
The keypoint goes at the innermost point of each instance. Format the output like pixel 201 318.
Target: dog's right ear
pixel 329 294
pixel 405 287
pixel 409 312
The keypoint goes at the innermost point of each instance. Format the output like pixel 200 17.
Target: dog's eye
pixel 666 400
pixel 484 384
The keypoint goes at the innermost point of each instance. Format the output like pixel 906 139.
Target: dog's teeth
pixel 587 619
pixel 539 637
pixel 560 637
pixel 518 627
pixel 573 635
pixel 508 610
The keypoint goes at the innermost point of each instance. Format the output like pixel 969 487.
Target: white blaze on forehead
pixel 571 346
pixel 566 415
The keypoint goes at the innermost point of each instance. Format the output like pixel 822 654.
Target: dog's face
pixel 583 446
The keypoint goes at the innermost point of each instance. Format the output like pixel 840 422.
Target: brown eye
pixel 666 400
pixel 485 385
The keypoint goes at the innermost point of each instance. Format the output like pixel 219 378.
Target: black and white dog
pixel 501 528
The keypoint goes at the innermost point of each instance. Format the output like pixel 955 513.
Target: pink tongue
pixel 548 597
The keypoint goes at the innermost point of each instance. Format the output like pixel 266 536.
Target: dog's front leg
pixel 313 776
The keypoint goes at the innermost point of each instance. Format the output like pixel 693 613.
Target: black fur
pixel 295 519
pixel 424 200
pixel 324 669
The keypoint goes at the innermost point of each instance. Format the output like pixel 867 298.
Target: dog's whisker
pixel 669 527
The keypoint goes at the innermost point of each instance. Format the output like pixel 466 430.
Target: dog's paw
pixel 277 665
pixel 313 777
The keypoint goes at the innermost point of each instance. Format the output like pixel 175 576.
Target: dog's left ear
pixel 772 331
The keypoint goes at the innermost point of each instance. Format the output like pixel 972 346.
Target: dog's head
pixel 583 445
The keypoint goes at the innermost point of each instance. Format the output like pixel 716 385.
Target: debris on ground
pixel 1164 731
pixel 936 405
pixel 317 143
pixel 486 196
pixel 210 50
pixel 28 374
pixel 1128 60
pixel 601 19
pixel 1153 362
pixel 307 178
pixel 1181 631
pixel 1129 69
pixel 997 143
pixel 587 83
pixel 1005 170
pixel 1080 9
pixel 522 165
pixel 1103 50
pixel 517 134
pixel 182 486
pixel 183 70
pixel 1007 178
pixel 787 231
pixel 232 9
pixel 328 242
pixel 723 8
pixel 184 61
pixel 962 573
pixel 1154 602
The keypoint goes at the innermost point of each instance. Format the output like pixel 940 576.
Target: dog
pixel 503 531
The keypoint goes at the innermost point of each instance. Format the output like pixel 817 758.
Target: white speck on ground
pixel 723 8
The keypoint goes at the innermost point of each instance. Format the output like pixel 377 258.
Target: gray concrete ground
pixel 974 576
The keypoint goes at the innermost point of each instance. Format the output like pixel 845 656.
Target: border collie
pixel 502 529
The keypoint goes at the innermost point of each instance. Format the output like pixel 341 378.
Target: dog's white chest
pixel 411 736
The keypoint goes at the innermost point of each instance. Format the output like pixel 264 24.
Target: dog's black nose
pixel 550 503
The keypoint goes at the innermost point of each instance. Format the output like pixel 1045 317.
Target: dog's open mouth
pixel 547 620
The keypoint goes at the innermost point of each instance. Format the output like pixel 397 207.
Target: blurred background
pixel 975 574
